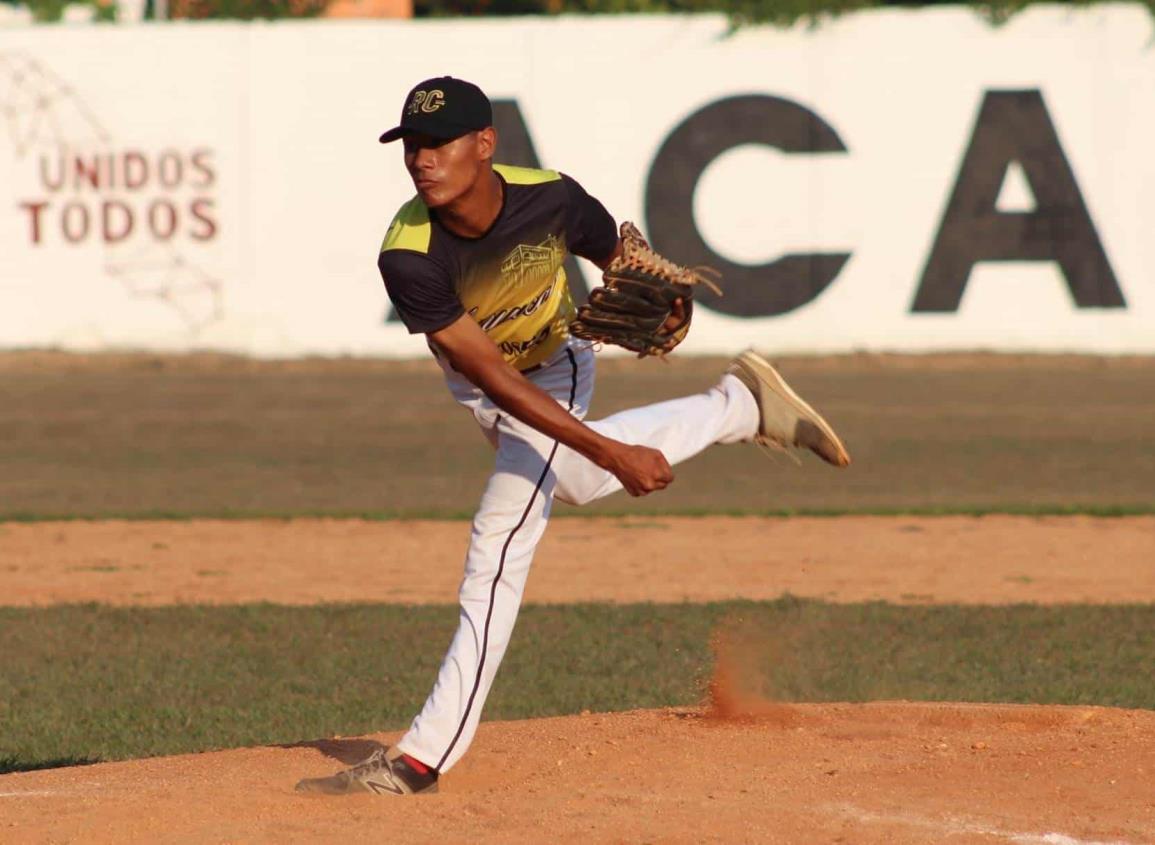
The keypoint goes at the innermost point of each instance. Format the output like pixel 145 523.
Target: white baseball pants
pixel 531 470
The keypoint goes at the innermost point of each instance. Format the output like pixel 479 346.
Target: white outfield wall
pixel 891 180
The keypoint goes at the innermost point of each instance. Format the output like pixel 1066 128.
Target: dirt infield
pixel 873 773
pixel 967 560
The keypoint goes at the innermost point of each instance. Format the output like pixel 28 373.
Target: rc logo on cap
pixel 442 107
pixel 426 101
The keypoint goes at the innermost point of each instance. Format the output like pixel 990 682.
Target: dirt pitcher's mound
pixel 874 773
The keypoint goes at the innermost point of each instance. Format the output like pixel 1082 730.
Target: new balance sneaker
pixel 786 420
pixel 382 773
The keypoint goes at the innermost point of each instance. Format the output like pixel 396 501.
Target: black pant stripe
pixel 501 569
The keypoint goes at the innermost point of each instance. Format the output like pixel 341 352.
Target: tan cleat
pixel 786 420
pixel 384 772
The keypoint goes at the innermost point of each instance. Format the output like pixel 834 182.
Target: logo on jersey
pixel 426 101
pixel 522 301
pixel 528 264
pixel 521 347
pixel 504 315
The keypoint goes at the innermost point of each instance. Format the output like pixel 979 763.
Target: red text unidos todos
pixel 116 196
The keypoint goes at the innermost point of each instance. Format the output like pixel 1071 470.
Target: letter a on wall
pixel 1013 127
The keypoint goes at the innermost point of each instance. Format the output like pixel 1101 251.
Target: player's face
pixel 443 171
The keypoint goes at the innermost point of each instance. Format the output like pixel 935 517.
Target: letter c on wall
pixel 750 291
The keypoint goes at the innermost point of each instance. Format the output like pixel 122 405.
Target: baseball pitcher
pixel 474 262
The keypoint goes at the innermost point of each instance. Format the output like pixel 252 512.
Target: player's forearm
pixel 521 398
pixel 472 353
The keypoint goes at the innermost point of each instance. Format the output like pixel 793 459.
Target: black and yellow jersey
pixel 511 279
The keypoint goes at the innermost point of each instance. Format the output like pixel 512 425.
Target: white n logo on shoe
pixel 379 787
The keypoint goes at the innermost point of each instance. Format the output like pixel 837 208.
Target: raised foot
pixel 786 420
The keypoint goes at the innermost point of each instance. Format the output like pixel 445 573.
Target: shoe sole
pixel 322 786
pixel 813 431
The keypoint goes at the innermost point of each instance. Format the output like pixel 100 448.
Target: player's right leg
pixel 752 402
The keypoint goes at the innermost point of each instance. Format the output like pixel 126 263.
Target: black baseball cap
pixel 443 107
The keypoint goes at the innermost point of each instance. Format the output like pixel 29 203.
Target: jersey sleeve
pixel 421 291
pixel 590 229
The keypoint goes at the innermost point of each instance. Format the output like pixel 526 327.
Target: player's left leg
pixel 510 521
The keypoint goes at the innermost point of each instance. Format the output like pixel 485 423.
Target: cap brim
pixel 446 133
pixel 393 134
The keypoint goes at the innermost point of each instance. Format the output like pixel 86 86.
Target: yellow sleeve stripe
pixel 410 229
pixel 526 175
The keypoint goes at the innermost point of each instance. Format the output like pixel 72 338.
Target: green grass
pixel 84 683
pixel 87 436
pixel 1139 509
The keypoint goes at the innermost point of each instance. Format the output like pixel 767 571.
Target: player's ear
pixel 486 142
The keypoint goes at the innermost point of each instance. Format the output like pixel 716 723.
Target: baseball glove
pixel 639 298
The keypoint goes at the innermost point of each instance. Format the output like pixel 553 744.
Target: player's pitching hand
pixel 641 469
